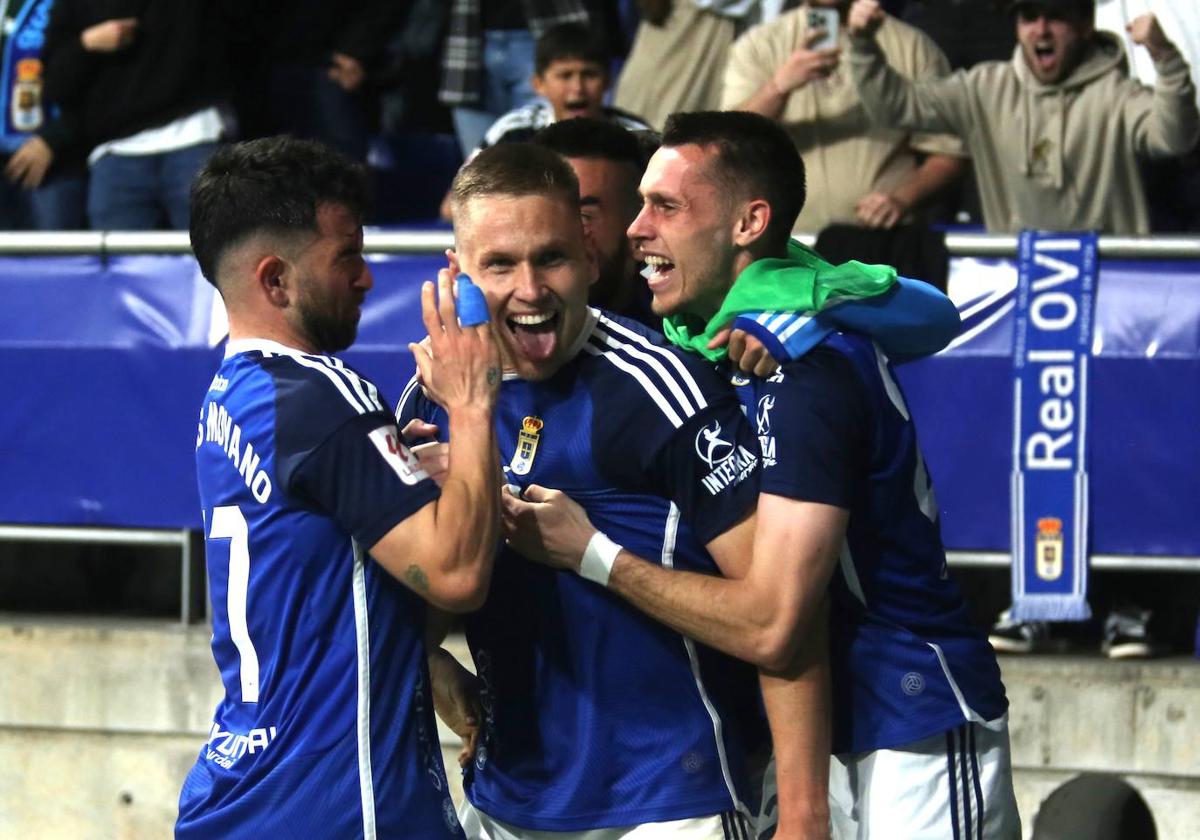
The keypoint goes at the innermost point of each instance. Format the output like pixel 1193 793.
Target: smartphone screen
pixel 826 19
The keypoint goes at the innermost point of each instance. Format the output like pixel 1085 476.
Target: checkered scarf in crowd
pixel 462 62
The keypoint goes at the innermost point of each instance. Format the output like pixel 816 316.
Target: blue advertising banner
pixel 1051 345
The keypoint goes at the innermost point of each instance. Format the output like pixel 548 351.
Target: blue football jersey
pixel 326 727
pixel 907 662
pixel 595 715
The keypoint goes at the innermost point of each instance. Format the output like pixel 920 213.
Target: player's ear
pixel 273 276
pixel 593 255
pixel 751 222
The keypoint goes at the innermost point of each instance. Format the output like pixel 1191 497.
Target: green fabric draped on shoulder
pixel 801 282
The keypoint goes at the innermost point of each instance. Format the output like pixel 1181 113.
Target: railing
pixel 435 241
pixel 102 243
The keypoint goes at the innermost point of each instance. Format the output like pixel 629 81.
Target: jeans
pixel 507 71
pixel 303 101
pixel 141 192
pixel 57 204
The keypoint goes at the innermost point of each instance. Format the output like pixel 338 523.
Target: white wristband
pixel 598 558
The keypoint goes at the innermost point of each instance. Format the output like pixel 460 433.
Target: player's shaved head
pixel 513 169
pixel 267 192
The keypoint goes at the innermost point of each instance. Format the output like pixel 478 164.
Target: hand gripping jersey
pixel 906 660
pixel 596 715
pixel 326 728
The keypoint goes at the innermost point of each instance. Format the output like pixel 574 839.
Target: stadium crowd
pixel 1047 120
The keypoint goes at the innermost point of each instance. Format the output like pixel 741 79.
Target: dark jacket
pixel 176 65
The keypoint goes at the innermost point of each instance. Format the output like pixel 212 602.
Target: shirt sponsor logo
pixel 728 463
pixel 762 421
pixel 225 748
pixel 396 454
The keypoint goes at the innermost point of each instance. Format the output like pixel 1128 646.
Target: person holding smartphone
pixel 790 70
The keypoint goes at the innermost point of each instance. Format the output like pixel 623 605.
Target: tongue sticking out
pixel 537 343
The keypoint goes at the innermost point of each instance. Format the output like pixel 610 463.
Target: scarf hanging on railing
pixel 1051 344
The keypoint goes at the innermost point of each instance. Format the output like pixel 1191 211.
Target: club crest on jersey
pixel 1049 548
pixel 527 443
pixel 728 463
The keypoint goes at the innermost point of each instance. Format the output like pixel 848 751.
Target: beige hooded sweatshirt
pixel 1047 156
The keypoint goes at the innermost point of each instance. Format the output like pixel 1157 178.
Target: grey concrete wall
pixel 100 721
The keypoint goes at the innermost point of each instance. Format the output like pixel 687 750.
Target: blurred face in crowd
pixel 574 88
pixel 332 281
pixel 527 253
pixel 684 231
pixel 1052 42
pixel 608 202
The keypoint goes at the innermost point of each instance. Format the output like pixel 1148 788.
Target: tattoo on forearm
pixel 493 376
pixel 417 579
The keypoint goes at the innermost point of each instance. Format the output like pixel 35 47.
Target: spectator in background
pixel 1173 182
pixel 310 70
pixel 488 58
pixel 677 59
pixel 967 31
pixel 571 79
pixel 1055 133
pixel 141 85
pixel 44 185
pixel 608 161
pixel 858 173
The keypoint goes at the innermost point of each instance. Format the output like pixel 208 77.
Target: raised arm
pixel 889 98
pixel 1165 120
pixel 444 551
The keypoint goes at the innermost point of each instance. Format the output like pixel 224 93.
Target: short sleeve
pixel 814 430
pixel 710 469
pixel 415 405
pixel 364 477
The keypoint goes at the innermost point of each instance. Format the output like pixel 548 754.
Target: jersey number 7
pixel 228 523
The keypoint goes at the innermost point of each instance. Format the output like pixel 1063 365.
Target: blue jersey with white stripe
pixel 907 661
pixel 595 714
pixel 326 726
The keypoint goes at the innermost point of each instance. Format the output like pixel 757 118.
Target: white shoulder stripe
pixel 407 395
pixel 653 367
pixel 364 389
pixel 337 380
pixel 684 376
pixel 655 394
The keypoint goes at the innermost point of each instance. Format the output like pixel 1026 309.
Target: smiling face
pixel 332 280
pixel 684 232
pixel 574 87
pixel 527 254
pixel 1051 43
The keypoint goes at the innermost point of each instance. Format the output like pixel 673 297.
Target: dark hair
pixel 1081 11
pixel 514 169
pixel 566 41
pixel 272 185
pixel 755 159
pixel 583 137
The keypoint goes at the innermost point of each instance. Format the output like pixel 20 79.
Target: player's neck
pixel 243 329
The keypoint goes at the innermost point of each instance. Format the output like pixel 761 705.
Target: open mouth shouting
pixel 1045 55
pixel 534 334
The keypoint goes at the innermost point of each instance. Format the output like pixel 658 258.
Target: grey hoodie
pixel 1047 156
